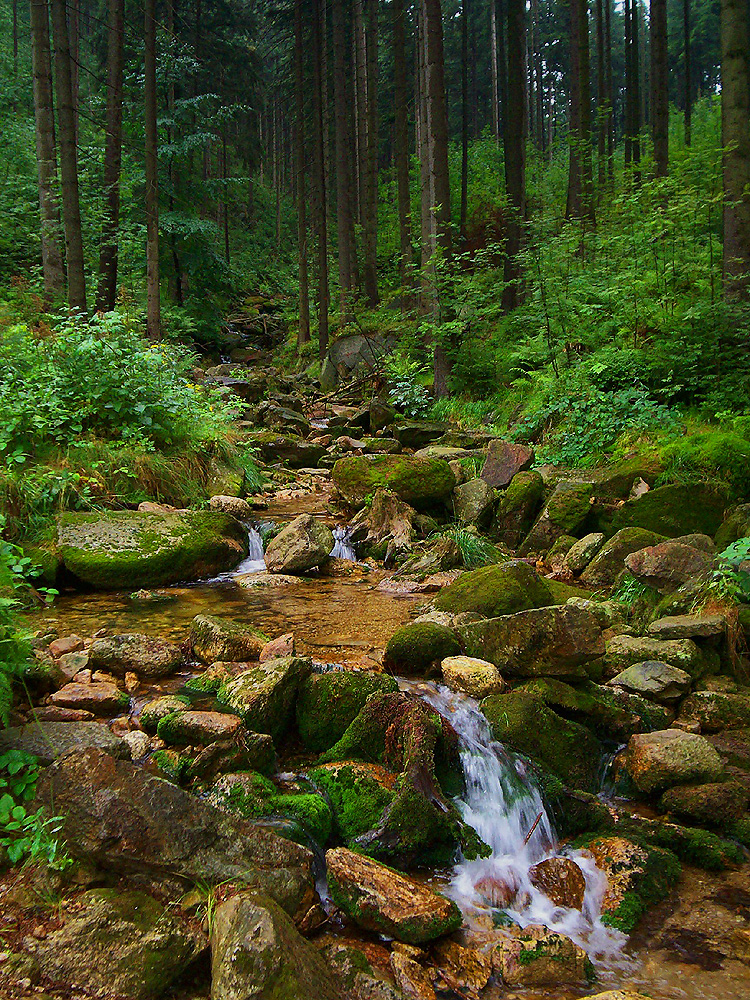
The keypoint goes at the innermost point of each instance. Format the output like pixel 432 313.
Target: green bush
pixel 14 646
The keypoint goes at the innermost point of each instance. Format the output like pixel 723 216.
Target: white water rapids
pixel 502 803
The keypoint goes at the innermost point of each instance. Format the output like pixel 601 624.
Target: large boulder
pixel 328 703
pixel 129 549
pixel 417 433
pixel 352 353
pixel 496 590
pixel 98 698
pixel 524 724
pixel 473 503
pixel 668 565
pixel 423 483
pixel 216 639
pixel 122 818
pixel 385 902
pixel 264 695
pixel 563 514
pixel 627 650
pixel 302 545
pixel 132 652
pixel 674 510
pixel 607 565
pixel 116 941
pixel 189 728
pixel 561 880
pixel 49 740
pixel 504 461
pixel 417 649
pixel 288 450
pixel 256 951
pixel 359 792
pixel 518 508
pixel 659 760
pixel 718 803
pixel 654 679
pixel 558 641
pixel 736 526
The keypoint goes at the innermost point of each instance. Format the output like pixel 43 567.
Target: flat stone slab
pixel 687 627
pixel 49 740
pixel 654 679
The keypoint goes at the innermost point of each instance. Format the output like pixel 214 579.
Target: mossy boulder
pixel 288 450
pixel 328 703
pixel 715 804
pixel 417 649
pixel 217 639
pixel 473 503
pixel 518 508
pixel 358 792
pixel 188 728
pixel 563 514
pixel 125 550
pixel 303 544
pixel 423 483
pixel 264 695
pixel 607 565
pixel 716 710
pixel 46 563
pixel 660 760
pixel 496 590
pixel 525 724
pixel 625 651
pixel 417 433
pixel 736 526
pixel 674 510
pixel 154 711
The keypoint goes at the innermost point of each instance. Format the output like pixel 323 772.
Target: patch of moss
pixel 173 765
pixel 417 649
pixel 328 703
pixel 496 590
pixel 674 510
pixel 423 483
pixel 740 831
pixel 358 799
pixel 697 847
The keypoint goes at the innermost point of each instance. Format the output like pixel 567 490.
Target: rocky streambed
pixel 398 777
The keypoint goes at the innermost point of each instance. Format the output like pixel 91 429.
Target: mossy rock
pixel 496 590
pixel 358 792
pixel 125 550
pixel 154 711
pixel 674 510
pixel 701 848
pixel 264 695
pixel 564 513
pixel 605 567
pixel 215 638
pixel 518 508
pixel 287 449
pixel 417 649
pixel 423 483
pixel 328 703
pixel 525 724
pixel 719 803
pixel 46 563
pixel 736 526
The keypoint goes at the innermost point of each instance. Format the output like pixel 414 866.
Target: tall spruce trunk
pixel 401 143
pixel 580 203
pixel 303 332
pixel 659 86
pixel 601 99
pixel 735 124
pixel 464 115
pixel 610 94
pixel 370 207
pixel 494 69
pixel 49 210
pixel 108 256
pixel 320 160
pixel 688 71
pixel 68 158
pixel 514 150
pixel 153 300
pixel 344 192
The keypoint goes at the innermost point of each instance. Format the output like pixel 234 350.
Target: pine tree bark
pixel 601 98
pixel 320 160
pixel 303 333
pixel 464 116
pixel 580 203
pixel 153 300
pixel 688 71
pixel 68 158
pixel 735 123
pixel 494 69
pixel 514 150
pixel 659 86
pixel 370 213
pixel 108 256
pixel 344 192
pixel 49 211
pixel 401 143
pixel 610 94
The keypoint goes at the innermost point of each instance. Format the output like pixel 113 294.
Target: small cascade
pixel 342 548
pixel 504 805
pixel 254 562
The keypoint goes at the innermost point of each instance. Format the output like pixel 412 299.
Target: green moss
pixel 173 765
pixel 714 452
pixel 154 711
pixel 674 510
pixel 328 703
pixel 740 831
pixel 310 811
pixel 358 799
pixel 569 505
pixel 496 590
pixel 697 847
pixel 421 482
pixel 561 592
pixel 416 649
pixel 525 490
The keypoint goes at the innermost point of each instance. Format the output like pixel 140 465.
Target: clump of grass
pixel 475 550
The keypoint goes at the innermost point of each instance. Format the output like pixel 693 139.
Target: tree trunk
pixel 502 60
pixel 495 92
pixel 610 94
pixel 370 209
pixel 659 86
pixel 636 76
pixel 52 261
pixel 68 159
pixel 153 308
pixel 580 202
pixel 601 98
pixel 464 115
pixel 303 334
pixel 108 257
pixel 735 123
pixel 319 172
pixel 688 72
pixel 514 151
pixel 344 199
pixel 74 35
pixel 401 135
pixel 359 63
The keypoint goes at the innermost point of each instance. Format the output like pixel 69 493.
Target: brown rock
pixel 55 713
pixel 561 880
pixel 411 978
pixel 504 460
pixel 659 760
pixel 668 565
pixel 539 957
pixel 68 644
pixel 464 967
pixel 198 727
pixel 282 645
pixel 101 699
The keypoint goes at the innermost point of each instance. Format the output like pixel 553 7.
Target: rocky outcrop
pixel 302 545
pixel 264 695
pixel 659 760
pixel 215 639
pixel 385 902
pixel 128 549
pixel 141 654
pixel 423 483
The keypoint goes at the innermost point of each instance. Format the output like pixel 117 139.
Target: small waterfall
pixel 254 562
pixel 342 547
pixel 504 805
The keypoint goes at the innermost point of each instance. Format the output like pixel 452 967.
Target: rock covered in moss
pixel 264 695
pixel 252 796
pixel 627 650
pixel 215 638
pixel 417 433
pixel 555 557
pixel 496 590
pixel 694 626
pixel 534 956
pixel 554 642
pixel 423 483
pixel 581 552
pixel 525 724
pixel 141 654
pixel 607 565
pixel 381 900
pixel 736 526
pixel 212 677
pixel 359 793
pixel 125 550
pixel 188 727
pixel 659 760
pixel 505 460
pixel 288 450
pixel 473 503
pixel 563 514
pixel 416 650
pixel 518 508
pixel 118 941
pixel 327 704
pixel 302 545
pixel 668 565
pixel 388 521
pixel 475 677
pixel 654 679
pixel 714 804
pixel 49 740
pixel 609 614
pixel 716 710
pixel 257 951
pixel 674 510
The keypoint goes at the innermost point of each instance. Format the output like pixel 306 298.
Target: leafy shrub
pixel 23 833
pixel 14 646
pixel 729 579
pixel 406 390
